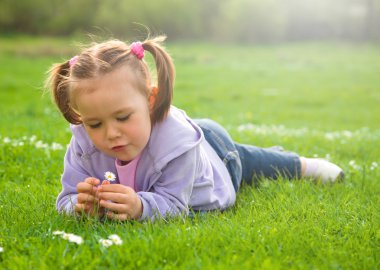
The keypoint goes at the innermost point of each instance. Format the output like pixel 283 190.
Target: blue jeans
pixel 247 162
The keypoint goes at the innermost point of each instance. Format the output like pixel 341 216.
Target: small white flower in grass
pixel 72 238
pixel 115 239
pixel 330 136
pixel 41 144
pixel 1 249
pixel 76 239
pixel 374 166
pixel 56 146
pixel 58 232
pixel 347 133
pixel 33 139
pixel 106 242
pixel 110 176
pixel 353 164
pixel 66 236
pixel 6 140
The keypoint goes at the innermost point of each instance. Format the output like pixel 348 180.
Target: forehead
pixel 99 98
pixel 120 76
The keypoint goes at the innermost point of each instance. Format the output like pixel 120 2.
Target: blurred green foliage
pixel 220 20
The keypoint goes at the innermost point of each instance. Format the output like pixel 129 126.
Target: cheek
pixel 140 130
pixel 94 136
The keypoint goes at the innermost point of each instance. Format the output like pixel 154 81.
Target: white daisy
pixel 56 146
pixel 76 239
pixel 72 238
pixel 58 232
pixel 106 242
pixel 110 176
pixel 33 138
pixel 115 239
pixel 66 236
pixel 374 166
pixel 1 249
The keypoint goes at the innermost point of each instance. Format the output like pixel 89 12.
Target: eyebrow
pixel 84 119
pixel 123 110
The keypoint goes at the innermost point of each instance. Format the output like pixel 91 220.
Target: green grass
pixel 315 99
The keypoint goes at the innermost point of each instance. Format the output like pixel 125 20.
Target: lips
pixel 117 148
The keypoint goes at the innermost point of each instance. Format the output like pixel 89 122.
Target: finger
pixel 115 197
pixel 92 181
pixel 83 208
pixel 79 208
pixel 87 198
pixel 89 209
pixel 115 216
pixel 117 188
pixel 83 187
pixel 115 207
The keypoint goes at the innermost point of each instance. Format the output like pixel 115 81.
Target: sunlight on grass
pixel 319 100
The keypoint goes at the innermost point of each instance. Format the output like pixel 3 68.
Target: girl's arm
pixel 73 173
pixel 170 195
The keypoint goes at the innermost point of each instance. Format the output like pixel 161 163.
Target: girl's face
pixel 115 113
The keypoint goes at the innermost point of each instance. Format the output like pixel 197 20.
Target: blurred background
pixel 295 62
pixel 243 21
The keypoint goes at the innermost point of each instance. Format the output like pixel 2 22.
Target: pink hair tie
pixel 73 60
pixel 137 49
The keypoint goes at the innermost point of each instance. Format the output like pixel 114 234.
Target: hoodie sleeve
pixel 170 194
pixel 73 173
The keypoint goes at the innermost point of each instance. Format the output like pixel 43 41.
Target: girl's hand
pixel 87 200
pixel 122 202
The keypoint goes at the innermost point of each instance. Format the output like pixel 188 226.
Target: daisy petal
pixel 105 242
pixel 110 176
pixel 115 239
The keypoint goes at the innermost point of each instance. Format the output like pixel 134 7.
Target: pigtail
pixel 165 78
pixel 58 83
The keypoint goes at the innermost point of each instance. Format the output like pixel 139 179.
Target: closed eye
pixel 123 118
pixel 93 126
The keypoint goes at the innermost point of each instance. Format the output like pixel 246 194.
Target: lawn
pixel 317 99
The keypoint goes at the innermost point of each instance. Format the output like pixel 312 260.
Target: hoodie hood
pixel 172 137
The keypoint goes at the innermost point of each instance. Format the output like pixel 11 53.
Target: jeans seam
pixel 219 140
pixel 226 155
pixel 231 155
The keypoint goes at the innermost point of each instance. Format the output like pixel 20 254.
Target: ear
pixel 152 96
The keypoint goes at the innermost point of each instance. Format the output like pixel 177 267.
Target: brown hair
pixel 102 58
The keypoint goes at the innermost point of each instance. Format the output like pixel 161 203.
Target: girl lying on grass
pixel 162 162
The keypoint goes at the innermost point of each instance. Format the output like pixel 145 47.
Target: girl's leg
pixel 248 162
pixel 267 163
pixel 273 163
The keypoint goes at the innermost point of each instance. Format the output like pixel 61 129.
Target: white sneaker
pixel 327 172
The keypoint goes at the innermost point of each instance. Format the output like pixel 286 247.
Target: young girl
pixel 163 163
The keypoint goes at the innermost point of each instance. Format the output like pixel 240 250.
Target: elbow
pixel 66 204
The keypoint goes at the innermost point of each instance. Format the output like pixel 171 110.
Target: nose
pixel 112 132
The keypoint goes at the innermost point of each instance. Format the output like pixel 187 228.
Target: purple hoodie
pixel 178 170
